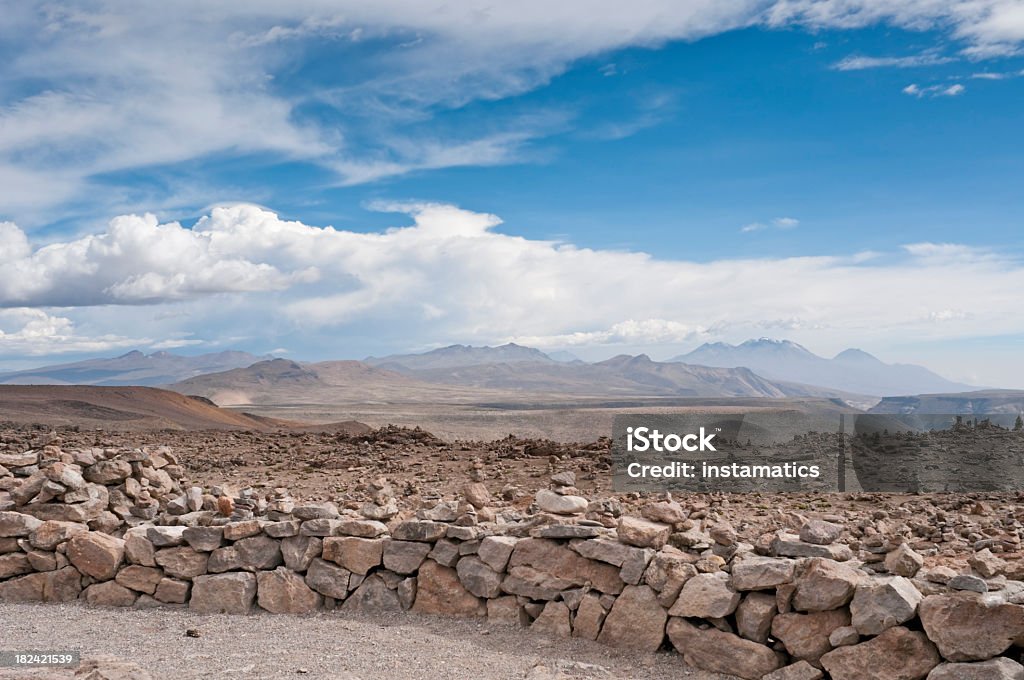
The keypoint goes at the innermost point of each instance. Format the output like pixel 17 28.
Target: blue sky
pixel 838 173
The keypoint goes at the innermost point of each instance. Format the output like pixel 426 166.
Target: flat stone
pixel 256 553
pixel 439 591
pixel 320 527
pixel 506 609
pixel 139 578
pixel 299 551
pixel 234 531
pixel 204 539
pixel 559 561
pixel 165 537
pixel 665 512
pixel 788 545
pixel 446 553
pixel 896 654
pixel 315 511
pixel 95 554
pixel 634 566
pixel 636 621
pixel 721 652
pixel 48 535
pixel 479 579
pixel 405 557
pixel 970 626
pixel 602 550
pixel 903 561
pixel 762 573
pixel 825 584
pixel 19 459
pixel 820 532
pixel 283 529
pixel 643 533
pixel 1000 668
pixel 565 531
pixel 363 528
pixel 223 593
pixel 844 636
pixel 553 620
pixel 182 562
pixel 494 551
pixel 754 616
pixel 883 603
pixel 17 524
pixel 358 555
pixel 706 596
pixel 968 582
pixel 806 636
pixel 533 583
pixel 109 594
pixel 801 670
pixel 419 530
pixel 108 472
pixel 557 504
pixel 284 591
pixel 328 579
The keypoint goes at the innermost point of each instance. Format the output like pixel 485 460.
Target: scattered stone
pixel 968 582
pixel 1000 668
pixel 801 670
pixel 549 501
pixel 820 532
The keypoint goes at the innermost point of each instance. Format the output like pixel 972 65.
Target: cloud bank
pixel 451 277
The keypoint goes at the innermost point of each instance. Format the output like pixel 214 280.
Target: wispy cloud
pixel 916 90
pixel 859 63
pixel 776 223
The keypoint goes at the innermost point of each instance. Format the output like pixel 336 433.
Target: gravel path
pixel 335 645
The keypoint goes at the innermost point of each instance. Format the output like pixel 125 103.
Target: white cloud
pixel 33 332
pixel 449 276
pixel 100 87
pixel 916 90
pixel 776 223
pixel 859 63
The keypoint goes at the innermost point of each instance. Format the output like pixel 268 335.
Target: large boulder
pixel 223 593
pixel 1000 668
pixel 754 616
pixel 328 578
pixel 439 591
pixel 95 554
pixel 405 557
pixel 643 533
pixel 971 626
pixel 298 552
pixel 283 591
pixel 48 535
pixel 549 557
pixel 61 585
pixel 182 562
pixel 478 578
pixel 17 524
pixel 896 654
pixel 711 649
pixel 109 594
pixel 358 555
pixel 636 621
pixel 762 573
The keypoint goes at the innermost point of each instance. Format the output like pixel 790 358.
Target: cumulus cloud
pixel 33 332
pixel 450 276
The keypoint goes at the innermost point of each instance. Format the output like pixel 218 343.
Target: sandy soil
pixel 335 645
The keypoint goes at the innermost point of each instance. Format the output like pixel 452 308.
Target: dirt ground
pixel 331 645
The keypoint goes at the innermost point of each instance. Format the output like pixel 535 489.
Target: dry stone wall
pixel 116 528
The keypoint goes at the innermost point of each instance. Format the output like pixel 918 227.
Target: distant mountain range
pixel 851 370
pixel 133 368
pixel 1007 402
pixel 460 356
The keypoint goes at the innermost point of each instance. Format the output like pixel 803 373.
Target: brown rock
pixel 419 530
pixel 172 591
pixel 754 616
pixel 590 616
pixel 971 626
pixel 478 578
pixel 373 595
pixel 182 562
pixel 801 670
pixel 405 557
pixel 762 573
pixel 825 584
pixel 643 533
pixel 494 551
pixel 1000 668
pixel 138 549
pixel 806 636
pixel 14 564
pixel 883 603
pixel 109 594
pixel 283 591
pixel 17 524
pixel 223 593
pixel 299 552
pixel 636 621
pixel 896 654
pixel 95 554
pixel 204 539
pixel 52 533
pixel 142 579
pixel 62 585
pixel 903 561
pixel 553 620
pixel 438 591
pixel 506 609
pixel 715 650
pixel 328 579
pixel 358 555
pixel 706 596
pixel 556 560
